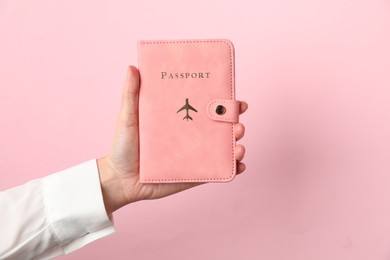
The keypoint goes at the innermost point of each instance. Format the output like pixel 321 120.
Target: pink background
pixel 316 77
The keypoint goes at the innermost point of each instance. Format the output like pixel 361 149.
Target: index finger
pixel 243 107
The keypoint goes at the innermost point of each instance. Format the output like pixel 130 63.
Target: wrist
pixel 111 186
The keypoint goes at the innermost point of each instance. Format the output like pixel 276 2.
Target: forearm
pixel 53 215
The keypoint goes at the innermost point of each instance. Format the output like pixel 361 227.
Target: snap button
pixel 220 110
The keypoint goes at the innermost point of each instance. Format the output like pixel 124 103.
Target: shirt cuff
pixel 74 206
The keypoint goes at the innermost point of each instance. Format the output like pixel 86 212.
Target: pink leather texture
pixel 180 140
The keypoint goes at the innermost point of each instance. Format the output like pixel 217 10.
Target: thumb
pixel 128 117
pixel 124 154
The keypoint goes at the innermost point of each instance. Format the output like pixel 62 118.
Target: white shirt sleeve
pixel 54 215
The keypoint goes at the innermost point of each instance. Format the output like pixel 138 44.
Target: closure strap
pixel 224 110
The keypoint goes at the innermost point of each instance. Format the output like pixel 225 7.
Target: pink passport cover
pixel 187 110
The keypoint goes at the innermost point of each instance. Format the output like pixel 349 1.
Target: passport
pixel 187 111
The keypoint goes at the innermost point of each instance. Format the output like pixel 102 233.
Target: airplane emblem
pixel 187 107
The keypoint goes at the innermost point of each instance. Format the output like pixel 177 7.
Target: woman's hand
pixel 119 171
